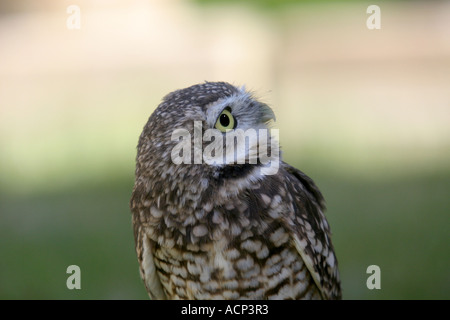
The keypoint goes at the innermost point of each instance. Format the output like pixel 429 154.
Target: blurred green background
pixel 364 112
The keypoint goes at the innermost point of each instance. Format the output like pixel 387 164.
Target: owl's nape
pixel 212 227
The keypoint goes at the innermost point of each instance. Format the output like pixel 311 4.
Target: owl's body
pixel 226 230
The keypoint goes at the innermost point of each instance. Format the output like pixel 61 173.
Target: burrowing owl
pixel 213 218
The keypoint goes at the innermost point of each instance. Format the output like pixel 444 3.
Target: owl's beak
pixel 267 114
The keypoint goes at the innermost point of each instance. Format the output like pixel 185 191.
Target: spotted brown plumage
pixel 226 231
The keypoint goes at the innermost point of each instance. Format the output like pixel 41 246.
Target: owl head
pixel 206 134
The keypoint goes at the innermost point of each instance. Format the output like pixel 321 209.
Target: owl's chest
pixel 222 269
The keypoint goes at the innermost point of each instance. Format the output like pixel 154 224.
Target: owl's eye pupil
pixel 224 120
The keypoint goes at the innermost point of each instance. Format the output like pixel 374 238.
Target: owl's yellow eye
pixel 225 121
